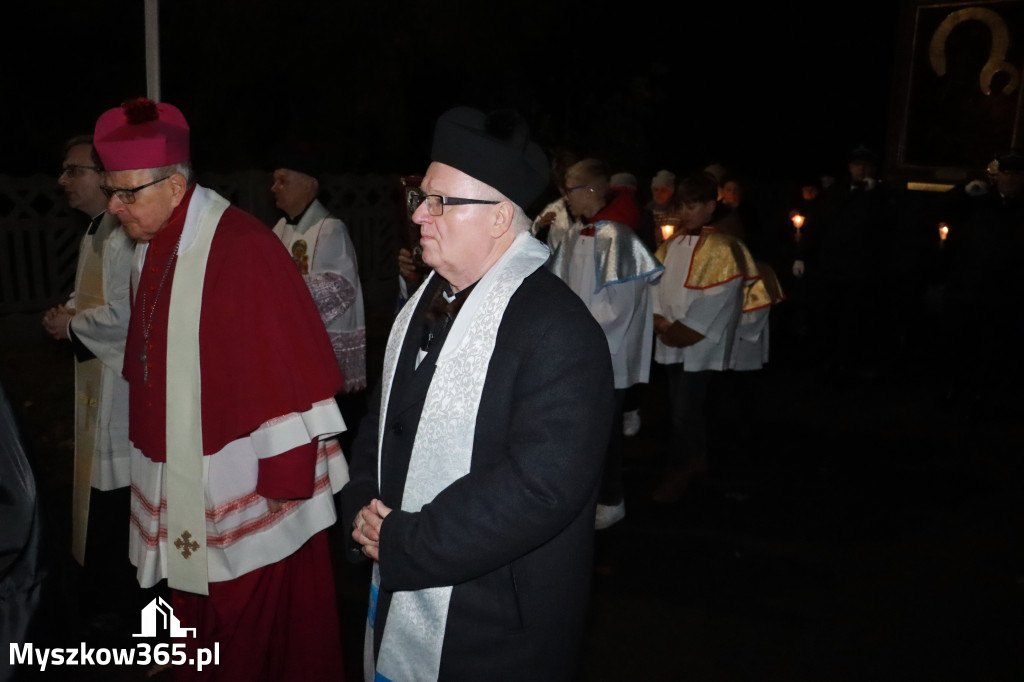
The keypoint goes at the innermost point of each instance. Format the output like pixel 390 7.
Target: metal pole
pixel 153 50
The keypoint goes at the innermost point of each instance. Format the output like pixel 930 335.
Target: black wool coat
pixel 515 535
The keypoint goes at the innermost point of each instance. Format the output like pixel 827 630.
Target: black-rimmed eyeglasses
pixel 127 195
pixel 73 170
pixel 436 202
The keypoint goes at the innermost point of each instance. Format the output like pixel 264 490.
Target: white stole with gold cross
pixel 187 567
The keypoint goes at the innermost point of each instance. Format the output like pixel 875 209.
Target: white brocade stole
pixel 187 567
pixel 442 452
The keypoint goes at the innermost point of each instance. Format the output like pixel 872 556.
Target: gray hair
pixel 184 168
pixel 520 221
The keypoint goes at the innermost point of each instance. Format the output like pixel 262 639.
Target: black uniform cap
pixel 1011 161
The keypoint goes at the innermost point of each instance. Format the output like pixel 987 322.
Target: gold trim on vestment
pixel 765 291
pixel 88 381
pixel 718 258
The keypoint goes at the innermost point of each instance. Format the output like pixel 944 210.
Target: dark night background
pixel 848 531
pixel 765 88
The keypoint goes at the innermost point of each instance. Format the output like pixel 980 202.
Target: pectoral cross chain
pixel 148 324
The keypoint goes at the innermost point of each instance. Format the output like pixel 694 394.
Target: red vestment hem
pixel 278 623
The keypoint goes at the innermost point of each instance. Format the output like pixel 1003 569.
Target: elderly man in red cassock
pixel 231 414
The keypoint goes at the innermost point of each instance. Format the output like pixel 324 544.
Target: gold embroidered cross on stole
pixel 186 545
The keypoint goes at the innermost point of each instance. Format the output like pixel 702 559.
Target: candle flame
pixel 943 231
pixel 798 221
pixel 667 230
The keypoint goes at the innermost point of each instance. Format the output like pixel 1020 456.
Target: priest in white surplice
pixel 321 247
pixel 95 320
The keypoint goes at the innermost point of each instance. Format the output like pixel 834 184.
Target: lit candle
pixel 943 231
pixel 667 230
pixel 798 222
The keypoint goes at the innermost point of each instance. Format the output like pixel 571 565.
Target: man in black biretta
pixel 474 476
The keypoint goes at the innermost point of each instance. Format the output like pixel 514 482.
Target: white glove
pixel 976 188
pixel 798 268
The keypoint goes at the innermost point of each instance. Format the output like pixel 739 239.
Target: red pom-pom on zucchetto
pixel 140 110
pixel 141 133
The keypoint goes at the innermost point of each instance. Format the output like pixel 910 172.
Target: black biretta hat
pixel 495 149
pixel 862 153
pixel 298 155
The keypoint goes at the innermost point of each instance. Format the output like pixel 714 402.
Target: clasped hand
pixel 55 322
pixel 366 527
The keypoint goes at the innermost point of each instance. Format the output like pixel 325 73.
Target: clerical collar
pixel 442 310
pixel 446 291
pixel 95 222
pixel 296 219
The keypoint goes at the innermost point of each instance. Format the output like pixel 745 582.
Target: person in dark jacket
pixel 474 476
pixel 983 290
pixel 852 272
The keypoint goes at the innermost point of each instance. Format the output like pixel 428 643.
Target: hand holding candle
pixel 798 222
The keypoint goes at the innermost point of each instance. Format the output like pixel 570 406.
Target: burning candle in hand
pixel 798 222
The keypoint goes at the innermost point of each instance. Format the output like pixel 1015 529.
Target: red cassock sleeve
pixel 290 475
pixel 264 351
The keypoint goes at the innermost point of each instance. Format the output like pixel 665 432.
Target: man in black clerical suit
pixel 474 477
